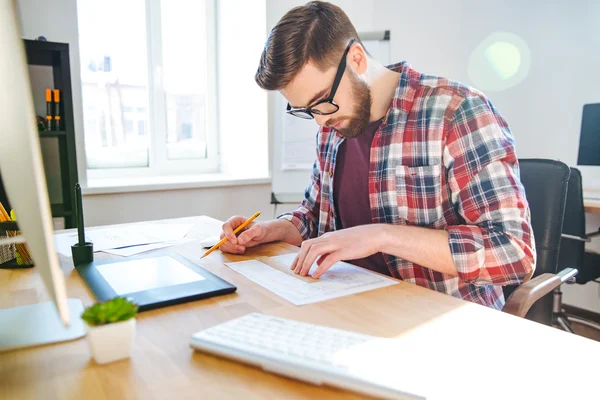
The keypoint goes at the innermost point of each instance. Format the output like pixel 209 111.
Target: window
pixel 148 72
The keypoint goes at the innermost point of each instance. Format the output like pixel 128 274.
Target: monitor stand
pixel 39 324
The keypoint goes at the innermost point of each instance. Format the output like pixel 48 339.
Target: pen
pixel 79 214
pixel 82 251
pixel 239 228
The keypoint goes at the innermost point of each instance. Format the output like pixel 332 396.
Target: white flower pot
pixel 111 342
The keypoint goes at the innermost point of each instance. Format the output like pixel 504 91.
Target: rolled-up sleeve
pixel 495 245
pixel 305 217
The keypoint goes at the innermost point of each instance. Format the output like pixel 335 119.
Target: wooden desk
pixel 457 349
pixel 590 202
pixel 592 206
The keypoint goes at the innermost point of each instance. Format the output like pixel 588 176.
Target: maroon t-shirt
pixel 351 189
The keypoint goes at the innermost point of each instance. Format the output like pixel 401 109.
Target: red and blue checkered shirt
pixel 443 158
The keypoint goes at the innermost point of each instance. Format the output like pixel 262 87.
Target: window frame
pixel 158 162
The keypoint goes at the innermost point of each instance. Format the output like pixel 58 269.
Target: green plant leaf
pixel 115 310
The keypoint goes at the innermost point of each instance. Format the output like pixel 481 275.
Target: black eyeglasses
pixel 326 106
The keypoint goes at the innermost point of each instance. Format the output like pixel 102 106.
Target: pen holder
pixel 82 254
pixel 14 255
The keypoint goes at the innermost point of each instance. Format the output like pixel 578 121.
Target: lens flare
pixel 500 62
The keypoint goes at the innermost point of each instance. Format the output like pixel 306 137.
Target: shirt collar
pixel 405 92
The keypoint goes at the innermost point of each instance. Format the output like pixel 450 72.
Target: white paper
pixel 117 237
pixel 299 143
pixel 146 274
pixel 342 279
pixel 133 250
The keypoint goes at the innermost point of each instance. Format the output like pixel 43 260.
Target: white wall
pixel 218 202
pixel 360 12
pixel 544 111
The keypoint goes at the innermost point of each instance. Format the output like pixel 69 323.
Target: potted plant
pixel 110 329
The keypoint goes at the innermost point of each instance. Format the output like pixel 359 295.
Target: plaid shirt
pixel 443 158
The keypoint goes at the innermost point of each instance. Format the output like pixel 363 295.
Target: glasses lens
pixel 325 108
pixel 301 114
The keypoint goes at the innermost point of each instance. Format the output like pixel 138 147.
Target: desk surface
pixel 458 349
pixel 592 206
pixel 591 201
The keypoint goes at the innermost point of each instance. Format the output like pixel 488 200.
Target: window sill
pixel 168 182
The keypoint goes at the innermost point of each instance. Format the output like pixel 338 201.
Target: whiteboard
pixel 295 139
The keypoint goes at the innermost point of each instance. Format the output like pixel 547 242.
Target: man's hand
pixel 346 244
pixel 252 235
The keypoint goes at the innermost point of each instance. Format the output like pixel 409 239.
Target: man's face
pixel 353 96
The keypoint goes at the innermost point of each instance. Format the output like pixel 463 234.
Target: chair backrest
pixel 572 251
pixel 545 182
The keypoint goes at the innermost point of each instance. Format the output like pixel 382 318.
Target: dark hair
pixel 317 32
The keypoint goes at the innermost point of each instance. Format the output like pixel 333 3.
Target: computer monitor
pixel 589 140
pixel 25 184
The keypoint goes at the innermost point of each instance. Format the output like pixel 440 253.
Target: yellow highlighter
pixel 56 110
pixel 239 228
pixel 49 109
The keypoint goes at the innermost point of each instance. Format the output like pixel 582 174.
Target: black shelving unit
pixel 56 56
pixel 52 134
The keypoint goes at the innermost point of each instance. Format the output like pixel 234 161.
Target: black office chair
pixel 545 183
pixel 572 251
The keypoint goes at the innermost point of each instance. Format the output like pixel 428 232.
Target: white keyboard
pixel 312 353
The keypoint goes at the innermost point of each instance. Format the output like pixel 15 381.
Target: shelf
pixel 52 134
pixel 58 210
pixel 36 46
pixel 56 56
pixel 43 52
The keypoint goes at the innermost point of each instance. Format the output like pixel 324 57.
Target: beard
pixel 362 109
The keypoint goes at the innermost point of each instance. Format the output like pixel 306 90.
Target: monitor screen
pixel 589 141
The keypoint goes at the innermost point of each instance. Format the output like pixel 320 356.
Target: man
pixel 416 176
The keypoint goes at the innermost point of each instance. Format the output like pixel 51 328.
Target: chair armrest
pixel 525 296
pixel 592 234
pixel 578 238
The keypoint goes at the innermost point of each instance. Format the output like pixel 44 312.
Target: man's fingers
pixel 247 236
pixel 228 247
pixel 325 264
pixel 304 248
pixel 230 225
pixel 228 232
pixel 293 266
pixel 232 238
pixel 316 250
pixel 321 259
pixel 232 249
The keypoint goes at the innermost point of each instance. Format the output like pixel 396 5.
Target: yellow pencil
pixel 4 214
pixel 239 228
